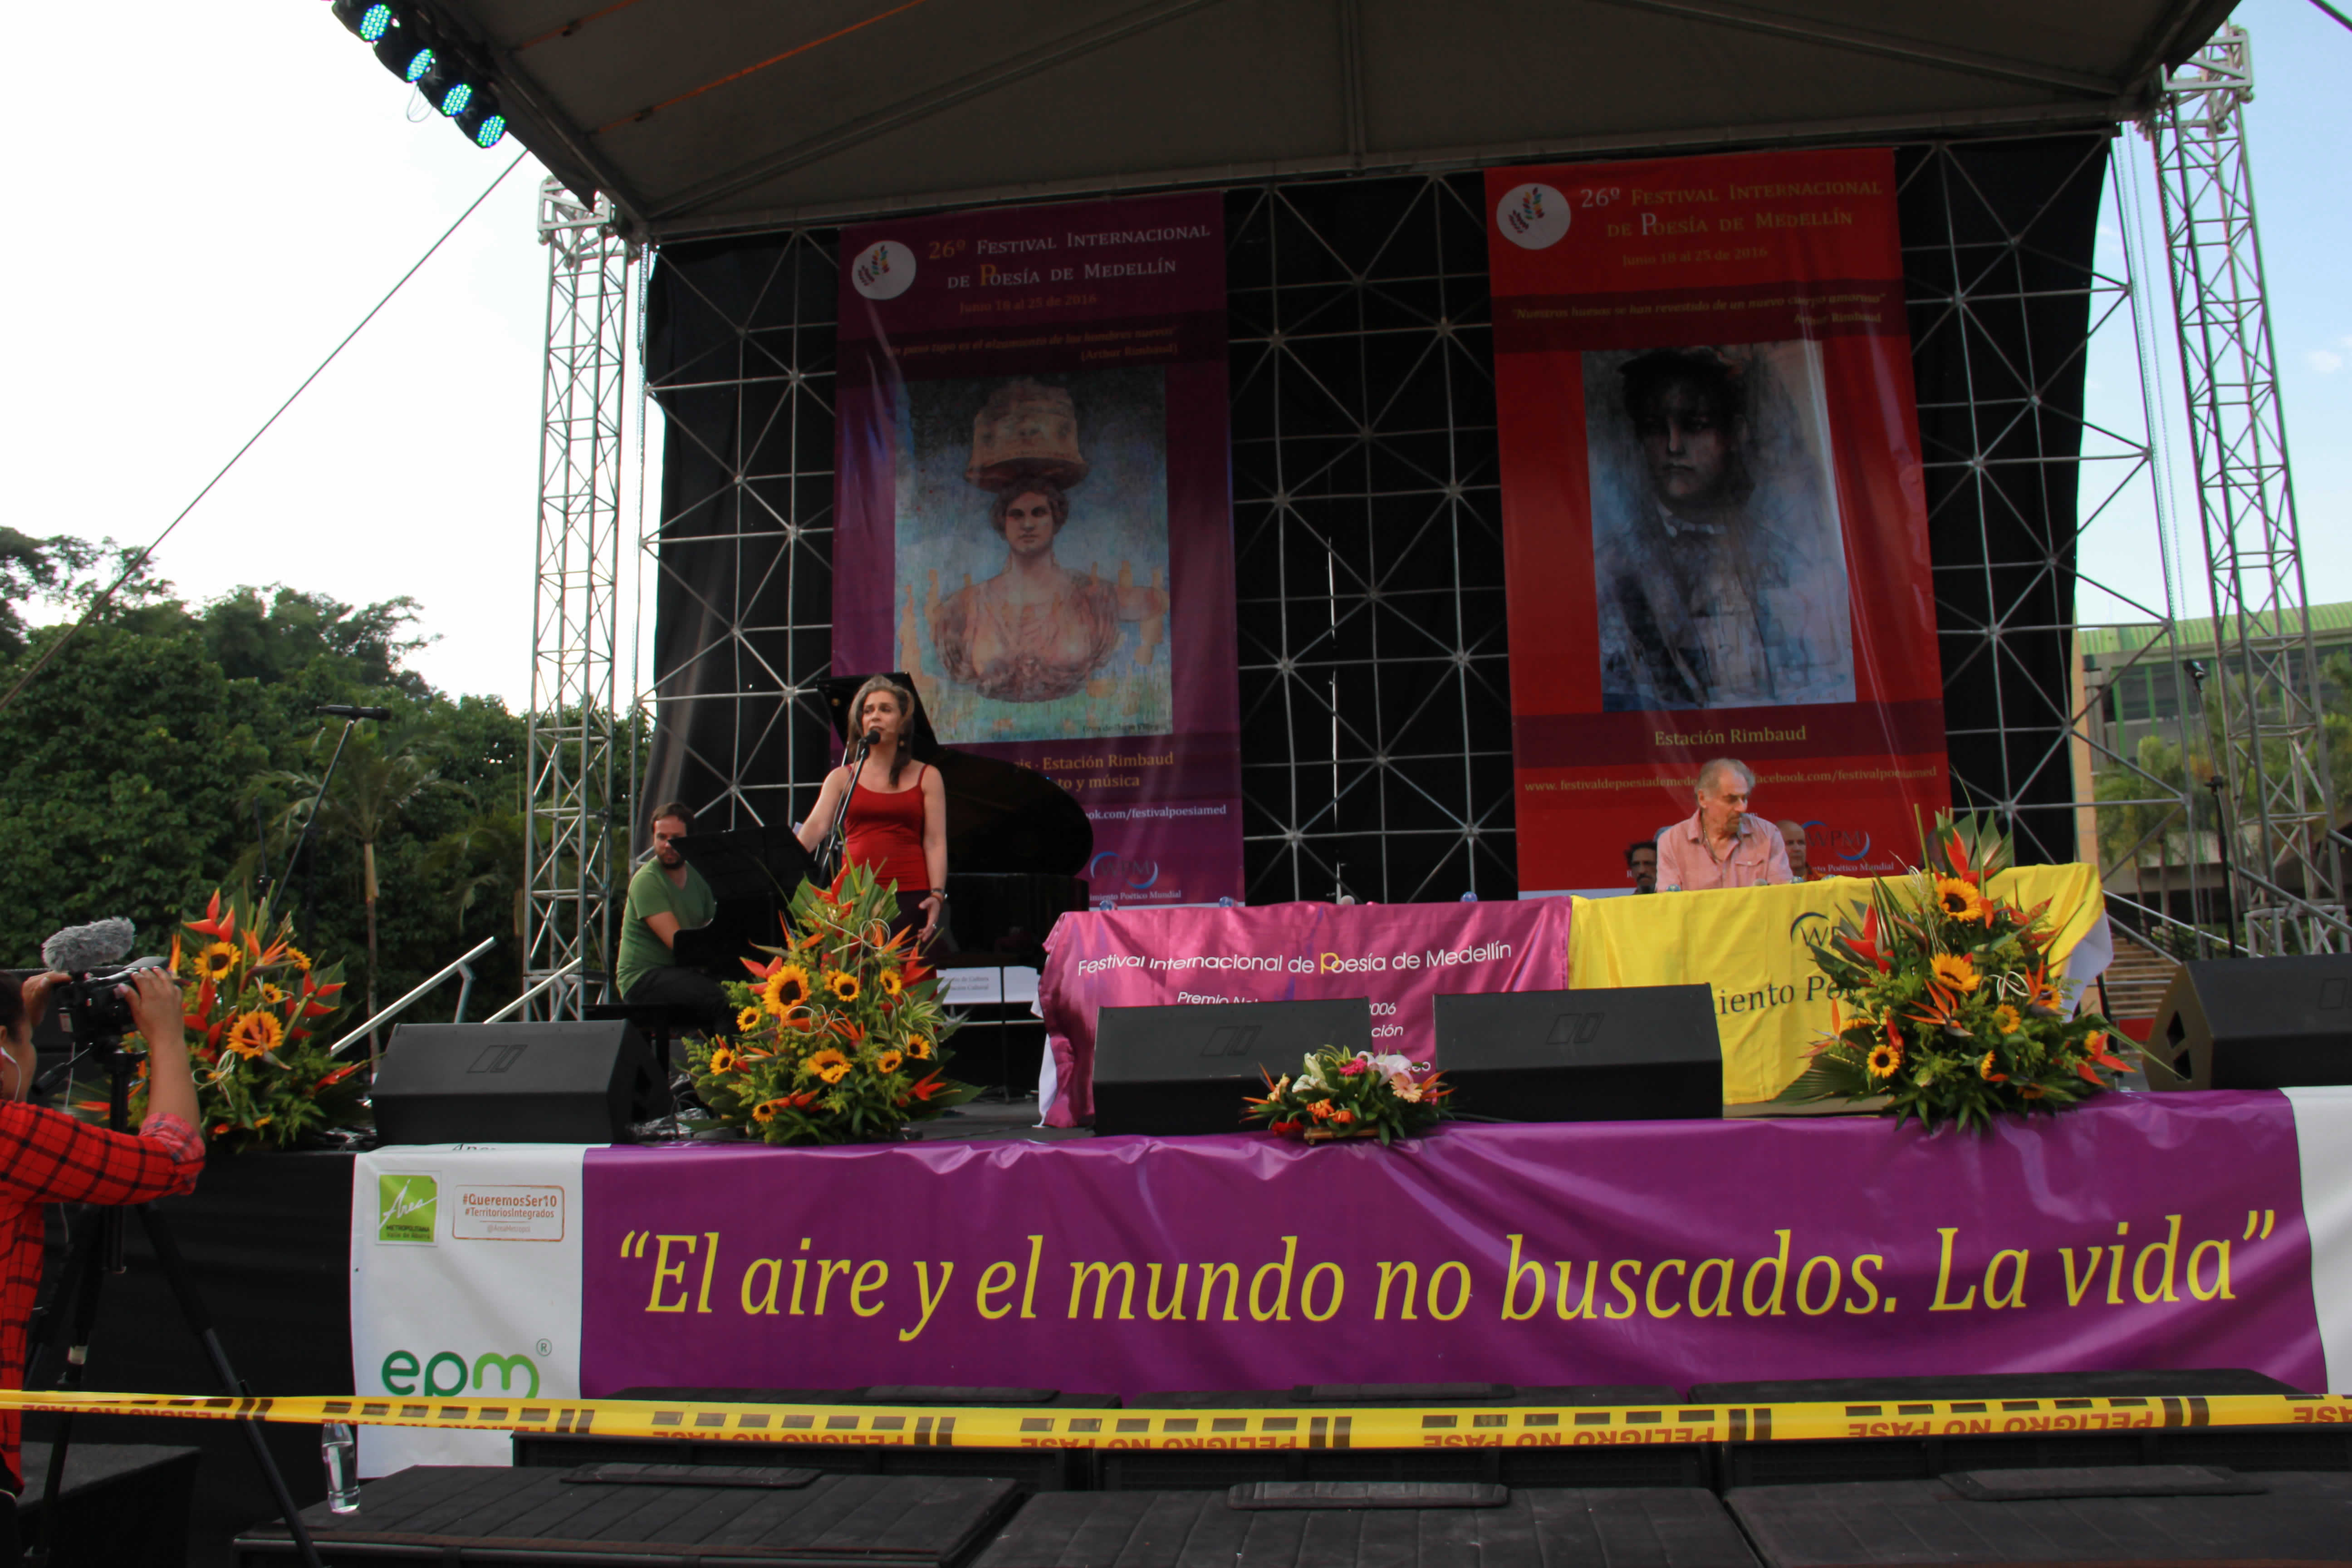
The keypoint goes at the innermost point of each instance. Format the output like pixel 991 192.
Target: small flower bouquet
pixel 254 1007
pixel 841 1038
pixel 1949 1007
pixel 1336 1095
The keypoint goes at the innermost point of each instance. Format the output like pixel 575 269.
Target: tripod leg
pixel 73 1317
pixel 192 1308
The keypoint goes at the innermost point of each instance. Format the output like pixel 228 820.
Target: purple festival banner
pixel 1401 956
pixel 1601 1253
pixel 1035 512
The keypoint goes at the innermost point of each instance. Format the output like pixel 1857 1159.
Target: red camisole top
pixel 886 832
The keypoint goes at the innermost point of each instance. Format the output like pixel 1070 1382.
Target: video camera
pixel 96 1014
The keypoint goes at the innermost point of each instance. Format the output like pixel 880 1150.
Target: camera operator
pixel 49 1157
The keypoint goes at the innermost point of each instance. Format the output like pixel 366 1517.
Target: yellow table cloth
pixel 1771 1001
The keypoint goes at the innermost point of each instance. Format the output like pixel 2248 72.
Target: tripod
pixel 97 1252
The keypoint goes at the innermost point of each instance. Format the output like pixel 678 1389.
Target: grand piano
pixel 1016 842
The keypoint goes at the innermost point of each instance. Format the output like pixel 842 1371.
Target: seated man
pixel 1721 846
pixel 1792 834
pixel 1641 865
pixel 667 896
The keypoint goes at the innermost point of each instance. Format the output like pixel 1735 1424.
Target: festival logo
pixel 883 270
pixel 406 1207
pixel 1532 216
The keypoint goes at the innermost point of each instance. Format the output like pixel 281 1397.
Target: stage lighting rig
pixel 408 45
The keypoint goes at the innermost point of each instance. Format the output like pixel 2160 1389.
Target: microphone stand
pixel 310 871
pixel 836 837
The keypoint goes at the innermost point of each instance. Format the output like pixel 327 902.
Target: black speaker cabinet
pixel 1632 1053
pixel 1186 1068
pixel 515 1083
pixel 2255 1023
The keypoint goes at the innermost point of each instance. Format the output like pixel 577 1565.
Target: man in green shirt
pixel 667 896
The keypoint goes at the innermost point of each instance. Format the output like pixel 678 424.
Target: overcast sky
pixel 202 214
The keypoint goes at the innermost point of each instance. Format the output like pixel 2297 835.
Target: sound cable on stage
pixel 100 601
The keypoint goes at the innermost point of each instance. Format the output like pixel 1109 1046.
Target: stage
pixel 2141 1232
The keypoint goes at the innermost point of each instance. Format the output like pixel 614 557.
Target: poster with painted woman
pixel 1035 513
pixel 1714 522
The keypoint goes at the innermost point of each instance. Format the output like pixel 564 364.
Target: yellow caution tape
pixel 1438 1427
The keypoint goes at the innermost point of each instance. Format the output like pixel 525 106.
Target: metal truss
pixel 1376 743
pixel 1376 736
pixel 742 547
pixel 2273 746
pixel 2016 473
pixel 570 864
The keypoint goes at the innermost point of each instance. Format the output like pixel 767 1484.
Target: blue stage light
pixel 453 103
pixel 480 119
pixel 375 23
pixel 492 129
pixel 418 65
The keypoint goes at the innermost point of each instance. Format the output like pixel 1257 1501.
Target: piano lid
pixel 1002 817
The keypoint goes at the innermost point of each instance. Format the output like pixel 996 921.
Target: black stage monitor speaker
pixel 2255 1023
pixel 515 1083
pixel 1632 1053
pixel 1186 1068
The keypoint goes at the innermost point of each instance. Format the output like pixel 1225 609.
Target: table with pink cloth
pixel 1401 956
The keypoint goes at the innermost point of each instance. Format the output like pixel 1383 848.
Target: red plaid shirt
pixel 49 1157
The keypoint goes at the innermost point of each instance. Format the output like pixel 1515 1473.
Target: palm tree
pixel 371 786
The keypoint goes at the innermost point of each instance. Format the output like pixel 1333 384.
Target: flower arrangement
pixel 1949 1007
pixel 840 1037
pixel 1336 1095
pixel 264 1079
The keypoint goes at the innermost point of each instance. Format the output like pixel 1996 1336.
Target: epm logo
pixel 405 1208
pixel 447 1373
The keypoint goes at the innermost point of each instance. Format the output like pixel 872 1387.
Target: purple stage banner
pixel 1035 512
pixel 1602 1253
pixel 1401 956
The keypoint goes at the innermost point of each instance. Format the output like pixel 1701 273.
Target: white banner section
pixel 465 1281
pixel 2322 1140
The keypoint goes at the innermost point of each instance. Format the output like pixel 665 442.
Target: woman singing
pixel 896 826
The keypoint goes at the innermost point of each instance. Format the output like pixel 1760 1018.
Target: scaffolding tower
pixel 2271 778
pixel 570 859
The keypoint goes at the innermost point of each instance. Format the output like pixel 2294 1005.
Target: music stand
pixel 749 862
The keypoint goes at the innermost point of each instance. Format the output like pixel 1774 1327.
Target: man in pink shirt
pixel 1721 846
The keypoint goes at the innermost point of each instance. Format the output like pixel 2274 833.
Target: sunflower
pixel 255 1033
pixel 1957 971
pixel 842 984
pixel 787 989
pixel 766 1109
pixel 830 1066
pixel 1985 1069
pixel 216 961
pixel 747 1020
pixel 886 1063
pixel 1885 1060
pixel 919 1047
pixel 1959 899
pixel 274 995
pixel 298 959
pixel 2008 1018
pixel 891 983
pixel 2030 1090
pixel 724 1060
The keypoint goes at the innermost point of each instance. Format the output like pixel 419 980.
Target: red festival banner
pixel 1033 512
pixel 1714 518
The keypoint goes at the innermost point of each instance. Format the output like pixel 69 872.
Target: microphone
pixel 345 711
pixel 79 949
pixel 868 741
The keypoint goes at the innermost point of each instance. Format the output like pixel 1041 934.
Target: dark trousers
pixel 686 989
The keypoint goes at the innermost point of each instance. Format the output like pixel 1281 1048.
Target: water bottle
pixel 339 1447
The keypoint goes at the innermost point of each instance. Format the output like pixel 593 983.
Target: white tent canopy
pixel 704 116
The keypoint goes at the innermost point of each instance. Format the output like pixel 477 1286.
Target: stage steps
pixel 2135 982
